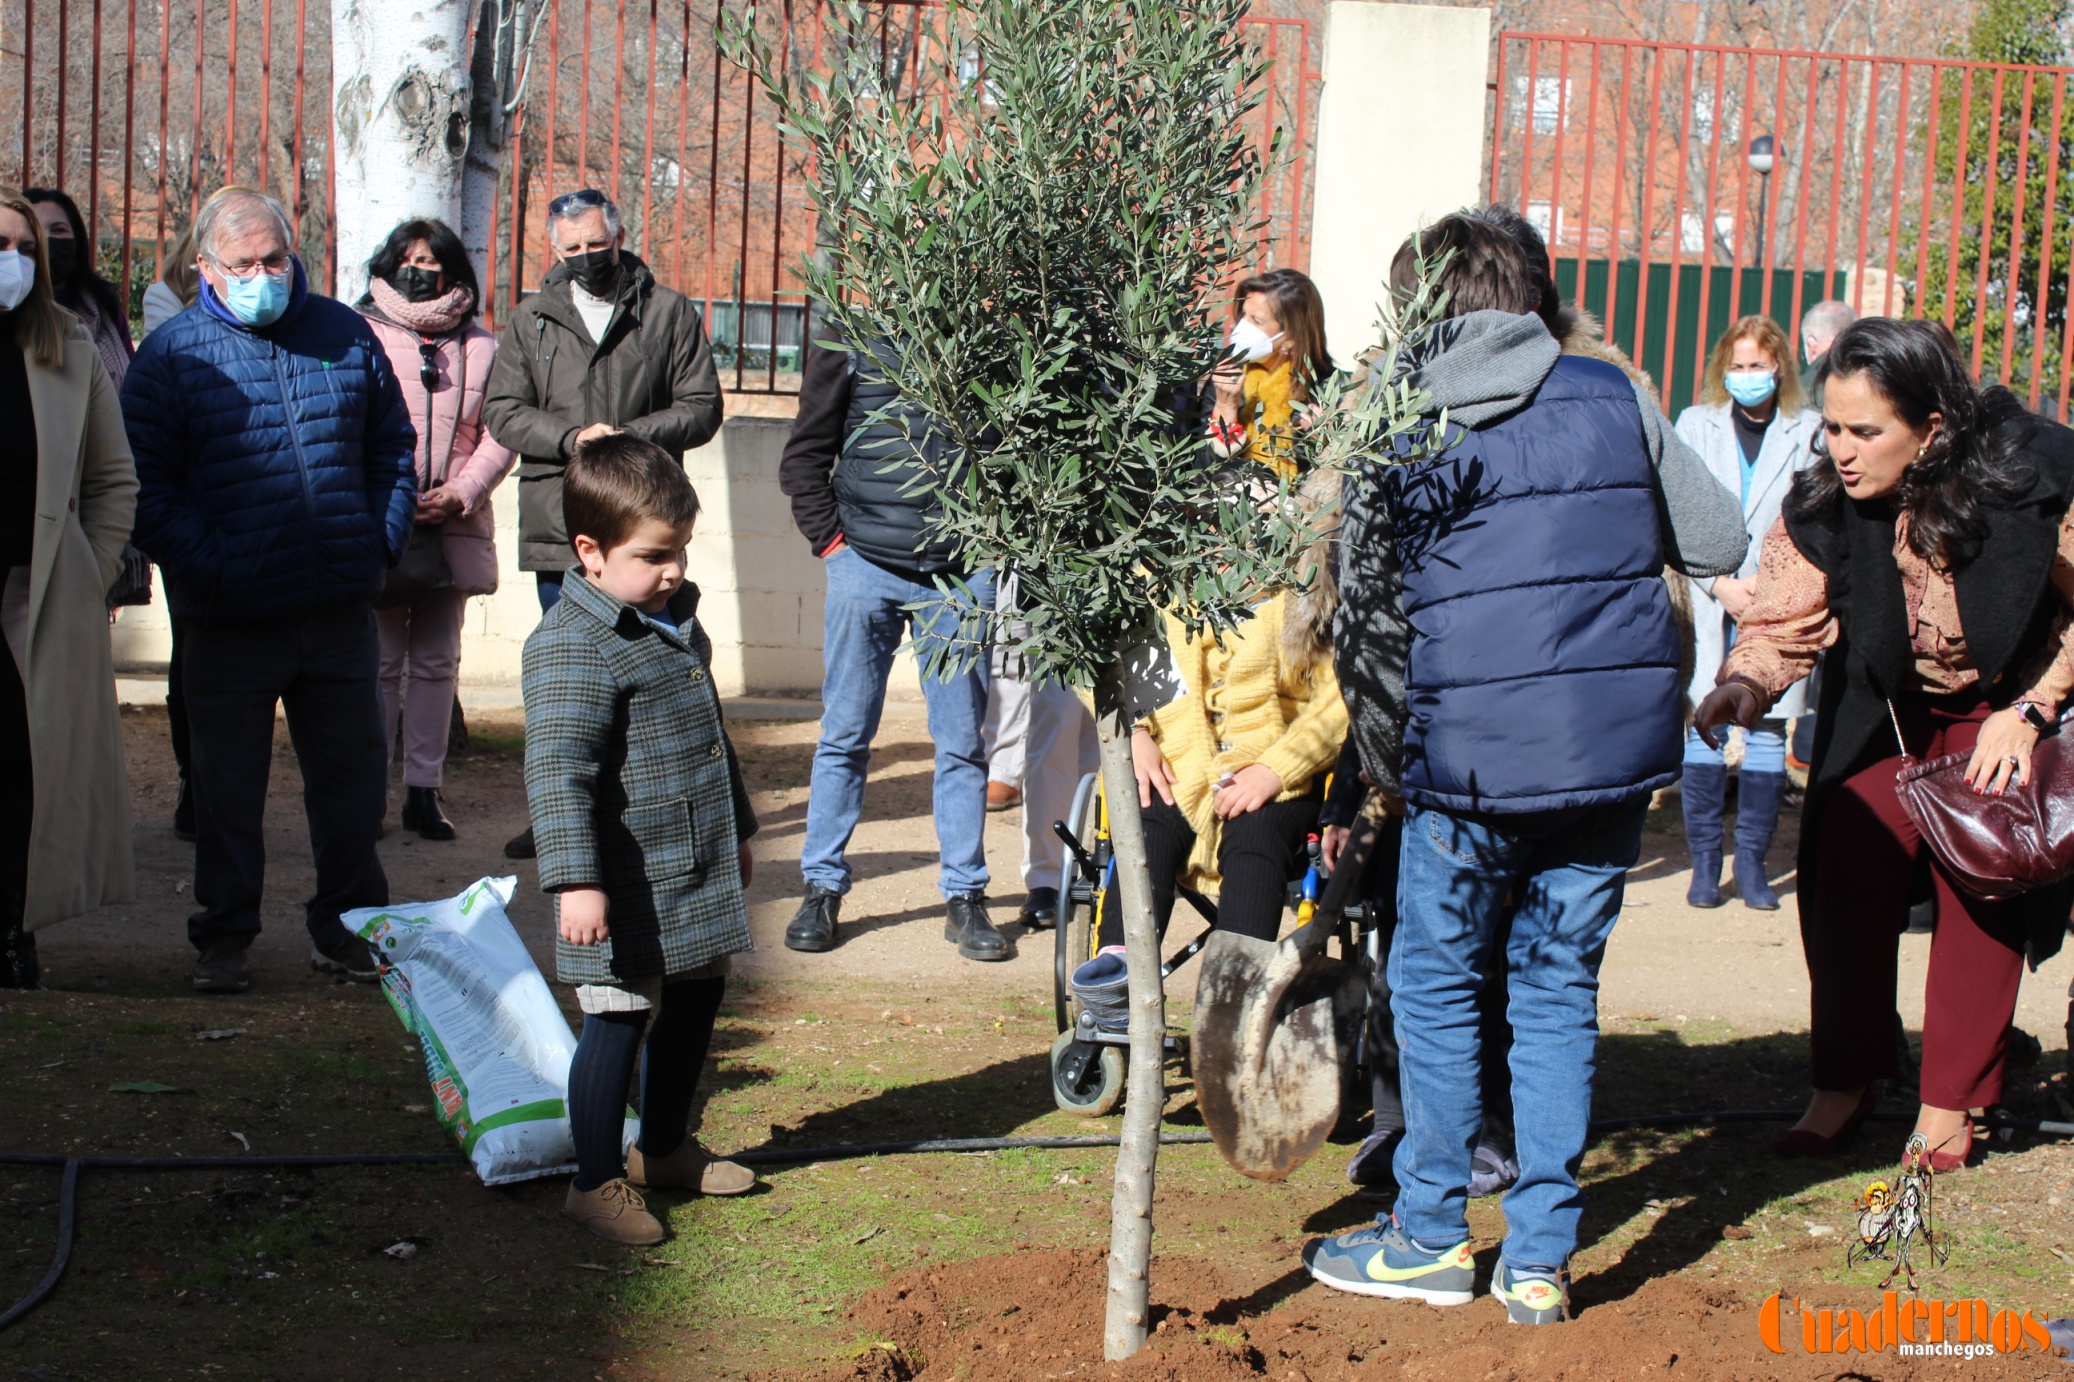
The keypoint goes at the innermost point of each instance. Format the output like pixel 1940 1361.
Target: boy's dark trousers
pixel 322 671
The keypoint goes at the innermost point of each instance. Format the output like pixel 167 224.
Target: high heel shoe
pixel 1799 1142
pixel 1951 1155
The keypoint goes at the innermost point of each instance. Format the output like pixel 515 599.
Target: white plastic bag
pixel 496 1047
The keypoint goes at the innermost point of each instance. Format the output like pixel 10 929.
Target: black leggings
pixel 604 1065
pixel 1258 855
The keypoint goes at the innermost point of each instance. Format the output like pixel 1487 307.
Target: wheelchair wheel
pixel 1073 936
pixel 1086 1078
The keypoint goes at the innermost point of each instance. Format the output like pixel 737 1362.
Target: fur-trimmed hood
pixel 1307 627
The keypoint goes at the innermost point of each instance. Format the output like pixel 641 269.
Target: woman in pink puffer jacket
pixel 421 301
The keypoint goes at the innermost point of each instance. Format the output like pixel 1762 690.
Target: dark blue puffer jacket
pixel 1543 667
pixel 275 466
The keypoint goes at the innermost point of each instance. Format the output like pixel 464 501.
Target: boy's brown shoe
pixel 615 1212
pixel 690 1167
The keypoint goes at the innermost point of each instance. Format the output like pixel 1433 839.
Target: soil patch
pixel 1039 1315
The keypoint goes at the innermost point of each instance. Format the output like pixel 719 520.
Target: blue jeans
pixel 1566 871
pixel 1764 748
pixel 864 624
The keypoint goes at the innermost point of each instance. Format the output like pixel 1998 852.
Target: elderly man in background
pixel 1819 326
pixel 276 488
pixel 601 348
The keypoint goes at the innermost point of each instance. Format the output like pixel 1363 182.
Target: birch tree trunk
pixel 1130 1205
pixel 399 116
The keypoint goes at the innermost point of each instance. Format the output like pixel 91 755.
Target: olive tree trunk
pixel 1130 1205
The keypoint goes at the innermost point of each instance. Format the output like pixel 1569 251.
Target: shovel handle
pixel 1309 939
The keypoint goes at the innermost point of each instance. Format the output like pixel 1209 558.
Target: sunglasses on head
pixel 585 198
pixel 428 366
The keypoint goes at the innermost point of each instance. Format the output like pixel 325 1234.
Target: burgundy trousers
pixel 1866 859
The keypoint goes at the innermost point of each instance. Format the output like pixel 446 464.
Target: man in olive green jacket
pixel 602 347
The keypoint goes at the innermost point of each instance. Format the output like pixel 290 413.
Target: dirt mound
pixel 1033 1315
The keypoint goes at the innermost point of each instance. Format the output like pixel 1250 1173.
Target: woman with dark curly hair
pixel 1931 553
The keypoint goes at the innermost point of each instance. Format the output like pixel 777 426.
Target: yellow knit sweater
pixel 1246 704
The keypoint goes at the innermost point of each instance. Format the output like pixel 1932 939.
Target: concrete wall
pixel 1400 143
pixel 762 587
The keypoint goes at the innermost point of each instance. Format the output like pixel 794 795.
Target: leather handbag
pixel 1995 847
pixel 422 570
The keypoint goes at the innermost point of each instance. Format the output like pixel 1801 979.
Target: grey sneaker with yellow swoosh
pixel 1529 1297
pixel 1384 1260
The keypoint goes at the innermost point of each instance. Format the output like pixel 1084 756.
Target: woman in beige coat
pixel 68 491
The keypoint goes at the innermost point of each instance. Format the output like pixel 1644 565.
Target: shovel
pixel 1271 1021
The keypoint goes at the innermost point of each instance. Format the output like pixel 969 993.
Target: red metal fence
pixel 141 107
pixel 1684 184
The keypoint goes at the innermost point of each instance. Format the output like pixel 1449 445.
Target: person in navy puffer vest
pixel 277 488
pixel 1506 645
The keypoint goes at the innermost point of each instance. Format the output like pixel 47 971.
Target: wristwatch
pixel 2036 716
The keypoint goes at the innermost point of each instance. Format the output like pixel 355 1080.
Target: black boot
pixel 1701 795
pixel 422 812
pixel 1040 909
pixel 967 924
pixel 183 812
pixel 520 846
pixel 1758 796
pixel 18 967
pixel 813 925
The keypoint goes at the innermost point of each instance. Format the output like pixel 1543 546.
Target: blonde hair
pixel 1770 338
pixel 37 321
pixel 180 273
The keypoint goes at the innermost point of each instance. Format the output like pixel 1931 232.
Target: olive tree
pixel 1036 237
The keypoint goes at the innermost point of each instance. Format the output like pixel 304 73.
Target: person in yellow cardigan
pixel 1231 776
pixel 1277 358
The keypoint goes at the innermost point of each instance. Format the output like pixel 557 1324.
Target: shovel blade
pixel 1266 1050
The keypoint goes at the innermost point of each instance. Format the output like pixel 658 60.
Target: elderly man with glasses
pixel 602 347
pixel 276 488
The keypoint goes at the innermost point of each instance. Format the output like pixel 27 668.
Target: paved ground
pixel 1731 966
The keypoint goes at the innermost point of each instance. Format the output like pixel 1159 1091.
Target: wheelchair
pixel 1087 1063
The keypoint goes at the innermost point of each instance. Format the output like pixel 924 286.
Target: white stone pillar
pixel 1400 143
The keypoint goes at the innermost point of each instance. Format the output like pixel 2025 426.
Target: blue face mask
pixel 1751 387
pixel 259 300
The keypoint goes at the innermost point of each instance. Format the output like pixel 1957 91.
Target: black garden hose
pixel 68 1189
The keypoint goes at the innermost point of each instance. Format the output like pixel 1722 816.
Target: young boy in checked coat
pixel 643 825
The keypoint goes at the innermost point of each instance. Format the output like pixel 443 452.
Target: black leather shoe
pixel 422 812
pixel 1040 909
pixel 813 925
pixel 183 812
pixel 520 846
pixel 967 924
pixel 221 967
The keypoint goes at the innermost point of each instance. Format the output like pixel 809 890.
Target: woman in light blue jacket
pixel 1753 428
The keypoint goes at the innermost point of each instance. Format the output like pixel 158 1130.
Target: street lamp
pixel 1761 158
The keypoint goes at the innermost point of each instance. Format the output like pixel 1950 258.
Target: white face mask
pixel 17 276
pixel 1250 343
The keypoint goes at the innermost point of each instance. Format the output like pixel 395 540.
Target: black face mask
pixel 64 258
pixel 416 284
pixel 596 271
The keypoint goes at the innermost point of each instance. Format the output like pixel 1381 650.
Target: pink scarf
pixel 434 318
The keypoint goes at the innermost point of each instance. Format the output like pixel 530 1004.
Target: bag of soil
pixel 496 1047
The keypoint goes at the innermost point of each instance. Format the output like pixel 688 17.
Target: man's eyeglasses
pixel 245 268
pixel 428 366
pixel 583 199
